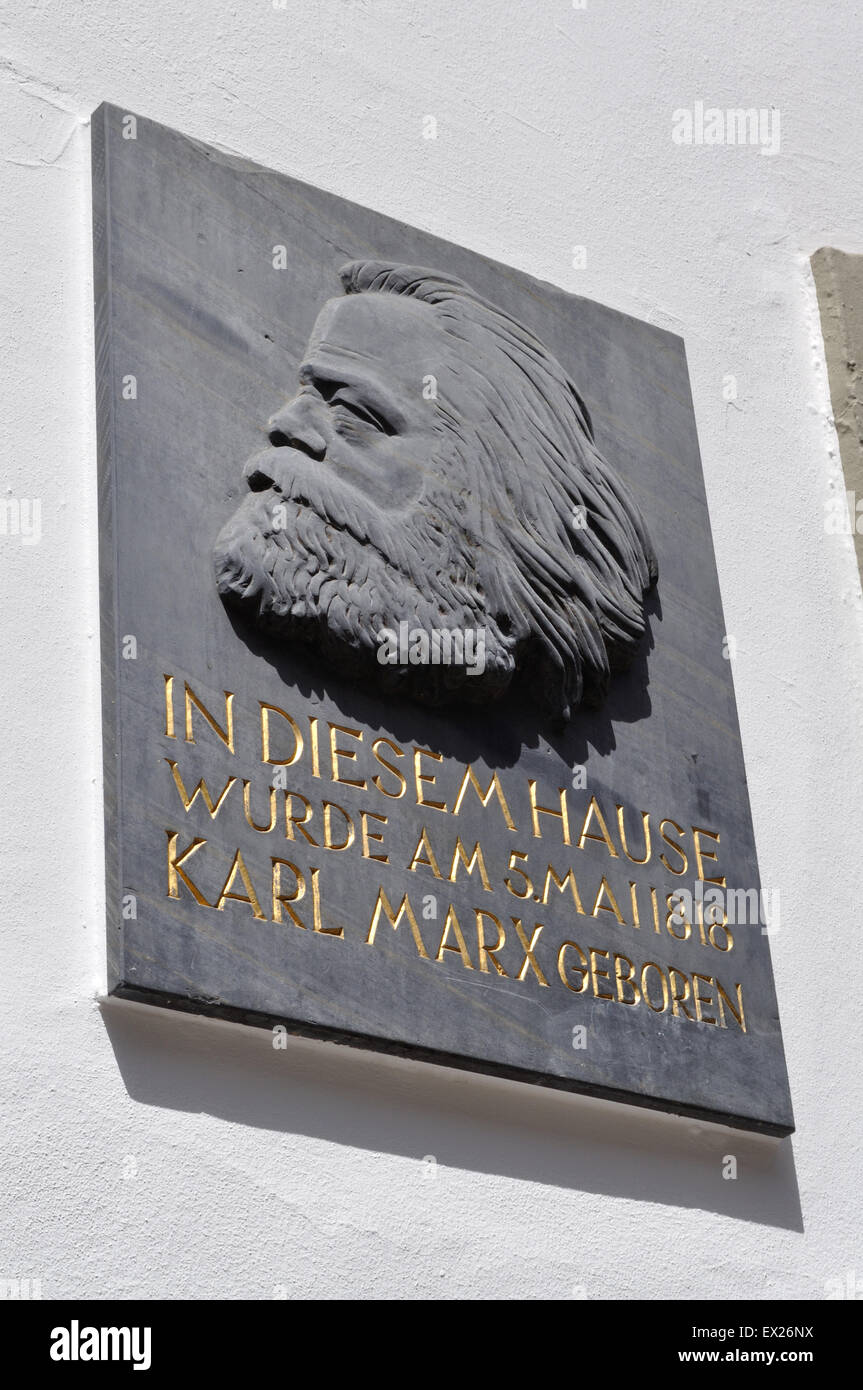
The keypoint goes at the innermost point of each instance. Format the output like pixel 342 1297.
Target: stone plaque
pixel 419 722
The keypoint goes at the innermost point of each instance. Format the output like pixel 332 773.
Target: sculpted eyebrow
pixel 332 378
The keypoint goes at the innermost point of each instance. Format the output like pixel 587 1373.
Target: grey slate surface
pixel 188 301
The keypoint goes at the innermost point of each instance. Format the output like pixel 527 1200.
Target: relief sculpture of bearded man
pixel 436 468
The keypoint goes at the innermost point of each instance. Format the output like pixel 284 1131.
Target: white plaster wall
pixel 256 1171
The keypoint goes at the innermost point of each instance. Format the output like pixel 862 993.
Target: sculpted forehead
pixel 386 337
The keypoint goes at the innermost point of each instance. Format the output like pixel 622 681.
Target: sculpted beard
pixel 316 563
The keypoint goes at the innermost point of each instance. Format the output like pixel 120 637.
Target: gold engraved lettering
pixel 399 752
pixel 599 905
pixel 627 980
pixel 227 734
pixel 349 753
pixel 365 817
pixel 420 778
pixel 603 838
pixel 476 859
pixel 517 869
pixel 348 827
pixel 645 821
pixel 536 811
pixel 460 949
pixel 264 829
pixel 672 845
pixel 266 711
pixel 201 790
pixel 487 953
pixel 404 910
pixel 677 998
pixel 299 821
pixel 238 866
pixel 494 786
pixel 529 946
pixel 561 885
pixel 701 854
pixel 176 870
pixel 737 1013
pixel 428 858
pixel 169 707
pixel 582 973
pixel 702 998
pixel 651 965
pixel 596 974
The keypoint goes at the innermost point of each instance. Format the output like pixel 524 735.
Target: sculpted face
pixel 359 417
pixel 425 475
pixel 337 538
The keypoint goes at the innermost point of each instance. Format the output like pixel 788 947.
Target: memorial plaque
pixel 419 721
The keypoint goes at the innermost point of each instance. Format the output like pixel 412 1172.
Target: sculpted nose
pixel 293 427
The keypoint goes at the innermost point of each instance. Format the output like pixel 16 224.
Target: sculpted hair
pixel 563 550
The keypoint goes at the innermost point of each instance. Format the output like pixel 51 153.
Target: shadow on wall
pixel 371 1101
pixel 499 741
